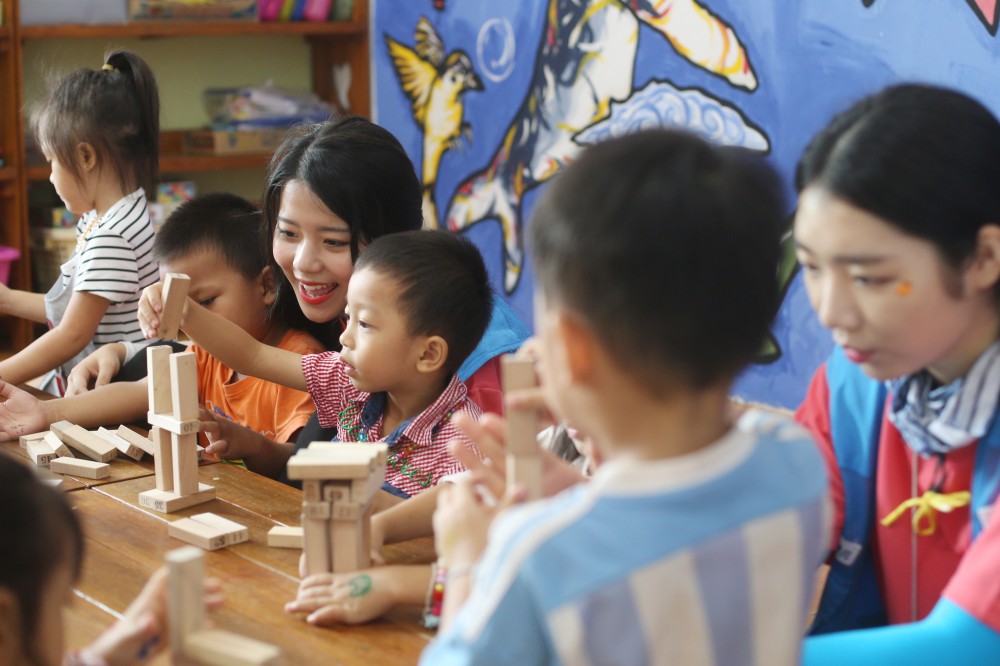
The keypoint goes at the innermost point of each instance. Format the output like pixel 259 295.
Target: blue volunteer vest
pixel 851 597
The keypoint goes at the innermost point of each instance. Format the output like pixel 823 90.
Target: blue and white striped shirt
pixel 706 558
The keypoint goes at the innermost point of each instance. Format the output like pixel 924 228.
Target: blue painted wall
pixel 810 58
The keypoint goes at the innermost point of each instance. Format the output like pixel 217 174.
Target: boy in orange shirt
pixel 214 239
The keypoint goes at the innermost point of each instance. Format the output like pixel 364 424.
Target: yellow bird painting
pixel 434 83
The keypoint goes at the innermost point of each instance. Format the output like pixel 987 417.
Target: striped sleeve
pixel 325 381
pixel 108 268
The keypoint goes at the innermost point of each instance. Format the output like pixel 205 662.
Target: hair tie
pixel 109 68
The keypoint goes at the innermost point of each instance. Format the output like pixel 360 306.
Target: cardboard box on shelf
pixel 213 10
pixel 230 142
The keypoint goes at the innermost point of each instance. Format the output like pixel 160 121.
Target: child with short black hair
pixel 99 130
pixel 214 239
pixel 697 539
pixel 417 304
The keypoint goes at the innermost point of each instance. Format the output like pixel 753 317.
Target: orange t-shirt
pixel 274 411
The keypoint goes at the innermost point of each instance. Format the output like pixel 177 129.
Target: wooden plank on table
pixel 257 580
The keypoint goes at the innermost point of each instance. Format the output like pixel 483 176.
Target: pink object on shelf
pixel 8 255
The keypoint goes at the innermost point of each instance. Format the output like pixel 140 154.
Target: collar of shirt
pixel 421 428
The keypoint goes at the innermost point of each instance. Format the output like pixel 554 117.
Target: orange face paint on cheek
pixel 904 288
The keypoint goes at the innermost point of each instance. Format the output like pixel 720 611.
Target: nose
pixel 834 303
pixel 306 259
pixel 346 339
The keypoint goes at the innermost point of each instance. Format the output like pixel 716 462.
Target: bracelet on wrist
pixel 434 602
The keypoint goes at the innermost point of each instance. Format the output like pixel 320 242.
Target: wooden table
pixel 125 543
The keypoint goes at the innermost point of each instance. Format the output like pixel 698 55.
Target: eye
pixel 284 233
pixel 869 281
pixel 363 324
pixel 332 242
pixel 207 302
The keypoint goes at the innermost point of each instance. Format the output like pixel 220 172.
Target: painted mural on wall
pixel 491 99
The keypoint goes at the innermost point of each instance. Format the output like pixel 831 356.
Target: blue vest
pixel 851 597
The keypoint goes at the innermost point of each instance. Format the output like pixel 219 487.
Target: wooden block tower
pixel 339 482
pixel 524 458
pixel 173 413
pixel 190 641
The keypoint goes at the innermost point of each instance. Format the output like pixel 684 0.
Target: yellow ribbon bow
pixel 926 505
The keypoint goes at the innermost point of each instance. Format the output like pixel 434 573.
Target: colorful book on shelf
pixel 270 10
pixel 287 7
pixel 300 6
pixel 317 10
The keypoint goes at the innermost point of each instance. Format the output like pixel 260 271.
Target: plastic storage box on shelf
pixel 8 255
pixel 47 12
pixel 213 10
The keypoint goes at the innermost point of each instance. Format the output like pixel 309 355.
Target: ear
pixel 86 157
pixel 984 269
pixel 580 348
pixel 268 285
pixel 11 639
pixel 433 354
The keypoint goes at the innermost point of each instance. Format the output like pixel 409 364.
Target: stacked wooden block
pixel 524 457
pixel 173 413
pixel 339 483
pixel 51 449
pixel 190 641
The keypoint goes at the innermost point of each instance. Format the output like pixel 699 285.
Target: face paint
pixel 904 288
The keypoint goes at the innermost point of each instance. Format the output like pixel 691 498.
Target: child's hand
pixel 490 436
pixel 351 598
pixel 462 521
pixel 226 438
pixel 20 413
pixel 142 630
pixel 150 308
pixel 97 369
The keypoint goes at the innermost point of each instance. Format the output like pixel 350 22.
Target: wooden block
pixel 185 462
pixel 349 552
pixel 170 424
pixel 24 439
pixel 331 465
pixel 41 453
pixel 163 459
pixel 235 533
pixel 197 534
pixel 175 289
pixel 312 490
pixel 526 471
pixel 168 502
pixel 158 378
pixel 522 424
pixel 317 510
pixel 124 447
pixel 57 445
pixel 284 537
pixel 89 469
pixel 184 386
pixel 85 442
pixel 185 595
pixel 381 451
pixel 135 439
pixel 222 648
pixel 316 545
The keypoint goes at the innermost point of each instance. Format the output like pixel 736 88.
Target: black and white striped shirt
pixel 116 263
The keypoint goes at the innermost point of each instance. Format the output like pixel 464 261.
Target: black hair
pixel 667 249
pixel 444 288
pixel 115 109
pixel 924 159
pixel 40 534
pixel 361 173
pixel 225 223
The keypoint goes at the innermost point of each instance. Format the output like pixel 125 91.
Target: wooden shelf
pixel 192 28
pixel 179 163
pixel 8 173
